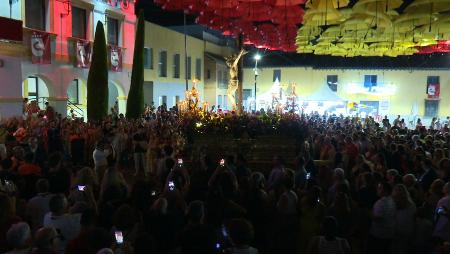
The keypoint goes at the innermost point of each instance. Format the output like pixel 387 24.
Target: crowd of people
pixel 135 186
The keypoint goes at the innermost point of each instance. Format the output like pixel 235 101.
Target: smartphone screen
pixel 81 187
pixel 308 176
pixel 171 186
pixel 153 193
pixel 119 237
pixel 222 162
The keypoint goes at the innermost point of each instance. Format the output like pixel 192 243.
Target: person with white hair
pixel 19 237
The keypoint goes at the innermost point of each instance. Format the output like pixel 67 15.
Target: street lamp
pixel 257 57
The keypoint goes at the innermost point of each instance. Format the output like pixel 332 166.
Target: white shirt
pixel 67 225
pixel 442 228
pixel 100 157
pixel 37 208
pixel 383 225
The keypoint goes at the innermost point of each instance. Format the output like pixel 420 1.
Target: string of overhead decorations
pixel 328 27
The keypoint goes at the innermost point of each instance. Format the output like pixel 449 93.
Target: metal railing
pixel 76 109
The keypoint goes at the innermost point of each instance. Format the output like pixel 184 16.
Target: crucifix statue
pixel 232 63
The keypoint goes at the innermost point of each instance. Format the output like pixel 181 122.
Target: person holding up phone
pixel 223 168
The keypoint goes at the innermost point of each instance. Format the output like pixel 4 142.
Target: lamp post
pixel 257 57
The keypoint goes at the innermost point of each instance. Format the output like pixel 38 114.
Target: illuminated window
pixel 176 66
pixel 35 14
pixel 78 23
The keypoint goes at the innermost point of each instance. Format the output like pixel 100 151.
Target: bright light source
pixel 257 57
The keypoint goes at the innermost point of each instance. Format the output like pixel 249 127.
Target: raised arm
pixel 236 61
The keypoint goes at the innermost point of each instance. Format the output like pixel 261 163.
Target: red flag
pixel 115 58
pixel 83 53
pixel 41 52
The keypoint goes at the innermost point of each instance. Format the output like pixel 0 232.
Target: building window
pixel 277 75
pixel 219 79
pixel 148 58
pixel 176 66
pixel 246 93
pixel 113 31
pixel 370 80
pixel 431 108
pixel 189 67
pixel 208 74
pixel 164 100
pixel 35 14
pixel 78 23
pixel 33 88
pixel 162 64
pixel 225 102
pixel 177 100
pixel 219 101
pixel 198 68
pixel 432 80
pixel 225 79
pixel 332 82
pixel 72 92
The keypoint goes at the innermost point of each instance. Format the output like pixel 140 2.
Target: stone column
pixel 59 104
pixel 11 79
pixel 10 107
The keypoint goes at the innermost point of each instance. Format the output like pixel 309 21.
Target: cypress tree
pixel 97 83
pixel 135 101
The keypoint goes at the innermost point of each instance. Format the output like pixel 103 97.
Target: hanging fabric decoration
pixel 41 52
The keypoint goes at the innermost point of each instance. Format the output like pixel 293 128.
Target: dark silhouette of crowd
pixel 134 186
